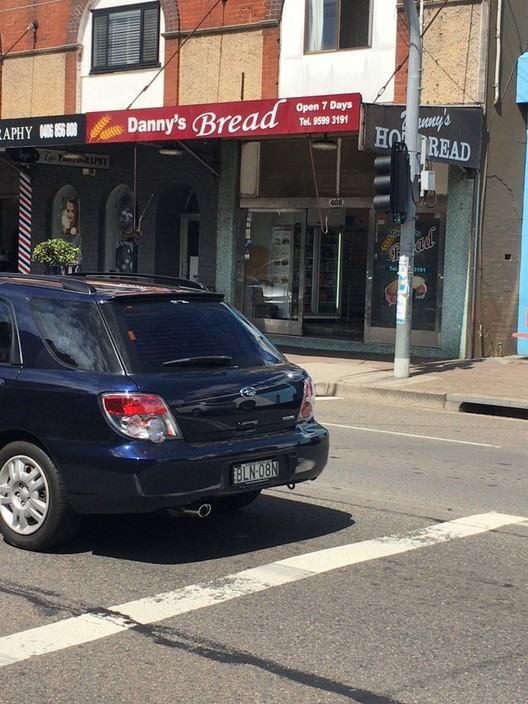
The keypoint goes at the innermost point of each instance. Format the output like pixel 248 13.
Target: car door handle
pixel 247 424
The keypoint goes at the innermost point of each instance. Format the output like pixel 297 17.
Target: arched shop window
pixel 66 211
pixel 120 250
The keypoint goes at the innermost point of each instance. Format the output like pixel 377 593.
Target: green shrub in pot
pixel 56 252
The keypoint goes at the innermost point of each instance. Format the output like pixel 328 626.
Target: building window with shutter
pixel 333 25
pixel 125 37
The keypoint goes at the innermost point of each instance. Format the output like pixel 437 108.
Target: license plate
pixel 255 471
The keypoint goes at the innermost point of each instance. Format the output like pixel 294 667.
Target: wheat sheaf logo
pixel 102 131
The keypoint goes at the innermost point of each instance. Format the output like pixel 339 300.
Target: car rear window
pixel 76 334
pixel 173 335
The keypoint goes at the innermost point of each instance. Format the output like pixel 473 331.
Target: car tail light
pixel 307 405
pixel 140 416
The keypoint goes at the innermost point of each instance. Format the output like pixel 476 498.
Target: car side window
pixel 6 333
pixel 75 334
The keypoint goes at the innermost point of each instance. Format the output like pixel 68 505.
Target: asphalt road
pixel 364 586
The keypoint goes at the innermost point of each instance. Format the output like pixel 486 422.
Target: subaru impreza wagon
pixel 134 394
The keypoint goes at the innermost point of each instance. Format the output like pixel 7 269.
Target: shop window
pixel 427 272
pixel 120 250
pixel 332 25
pixel 126 37
pixel 293 177
pixel 296 176
pixel 66 211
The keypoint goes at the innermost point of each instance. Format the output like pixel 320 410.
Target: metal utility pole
pixel 406 260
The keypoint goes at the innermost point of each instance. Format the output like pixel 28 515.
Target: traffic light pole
pixel 406 259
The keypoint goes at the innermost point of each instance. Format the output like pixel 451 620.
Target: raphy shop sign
pixel 240 120
pixel 43 131
pixel 54 157
pixel 453 134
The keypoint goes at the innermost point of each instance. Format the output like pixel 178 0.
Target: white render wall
pixel 115 91
pixel 362 71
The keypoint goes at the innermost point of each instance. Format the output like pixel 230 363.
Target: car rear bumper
pixel 142 476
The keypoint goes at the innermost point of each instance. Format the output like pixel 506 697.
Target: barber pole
pixel 24 224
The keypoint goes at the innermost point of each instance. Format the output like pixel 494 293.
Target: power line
pixel 435 16
pixel 30 28
pixel 402 64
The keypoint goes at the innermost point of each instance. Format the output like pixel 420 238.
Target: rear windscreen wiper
pixel 207 361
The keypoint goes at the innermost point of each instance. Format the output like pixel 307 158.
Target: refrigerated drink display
pixel 308 270
pixel 328 274
pixel 296 262
pixel 322 273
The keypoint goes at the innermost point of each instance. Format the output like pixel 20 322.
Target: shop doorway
pixel 8 234
pixel 189 246
pixel 336 271
pixel 178 232
pixel 304 278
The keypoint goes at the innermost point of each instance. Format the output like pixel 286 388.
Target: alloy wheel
pixel 24 495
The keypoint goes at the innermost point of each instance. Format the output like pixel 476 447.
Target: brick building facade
pixel 216 52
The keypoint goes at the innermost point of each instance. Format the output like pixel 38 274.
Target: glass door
pixel 273 270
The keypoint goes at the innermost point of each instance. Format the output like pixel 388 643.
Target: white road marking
pixel 409 435
pixel 116 619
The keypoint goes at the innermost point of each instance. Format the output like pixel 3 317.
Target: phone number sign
pixel 43 131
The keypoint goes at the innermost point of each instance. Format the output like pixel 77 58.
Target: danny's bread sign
pixel 249 119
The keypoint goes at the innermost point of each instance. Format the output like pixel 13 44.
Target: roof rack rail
pixel 66 280
pixel 139 277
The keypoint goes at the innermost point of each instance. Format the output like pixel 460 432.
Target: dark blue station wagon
pixel 133 393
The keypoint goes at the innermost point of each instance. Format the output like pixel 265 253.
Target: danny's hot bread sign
pixel 248 119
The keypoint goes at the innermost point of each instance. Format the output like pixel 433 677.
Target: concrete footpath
pixel 498 382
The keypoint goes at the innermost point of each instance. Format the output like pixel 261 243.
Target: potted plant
pixel 58 256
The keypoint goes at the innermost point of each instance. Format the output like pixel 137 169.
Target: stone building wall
pixel 451 53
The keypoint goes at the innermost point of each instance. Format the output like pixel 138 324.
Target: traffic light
pixel 400 182
pixel 382 184
pixel 391 183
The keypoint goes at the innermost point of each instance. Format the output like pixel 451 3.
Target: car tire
pixel 226 504
pixel 34 513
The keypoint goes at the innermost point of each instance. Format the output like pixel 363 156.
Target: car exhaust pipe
pixel 197 510
pixel 201 511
